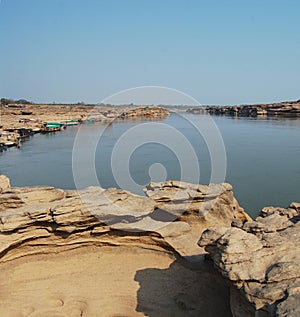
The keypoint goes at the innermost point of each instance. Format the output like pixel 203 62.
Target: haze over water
pixel 262 158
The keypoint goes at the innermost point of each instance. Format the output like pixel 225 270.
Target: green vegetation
pixel 7 101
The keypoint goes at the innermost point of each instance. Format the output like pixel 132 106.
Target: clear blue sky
pixel 219 52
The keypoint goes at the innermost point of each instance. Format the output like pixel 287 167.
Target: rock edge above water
pixel 170 219
pixel 281 109
pixel 259 257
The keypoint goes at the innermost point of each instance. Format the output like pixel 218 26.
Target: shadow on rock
pixel 183 289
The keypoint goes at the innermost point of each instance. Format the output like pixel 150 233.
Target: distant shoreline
pixel 14 115
pixel 18 122
pixel 281 109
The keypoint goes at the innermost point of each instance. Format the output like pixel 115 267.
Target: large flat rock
pixel 78 253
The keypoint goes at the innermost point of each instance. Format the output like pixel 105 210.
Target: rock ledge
pixel 262 259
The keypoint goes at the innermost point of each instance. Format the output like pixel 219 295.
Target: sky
pixel 217 52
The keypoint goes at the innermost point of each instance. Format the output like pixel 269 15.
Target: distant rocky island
pixel 107 252
pixel 281 109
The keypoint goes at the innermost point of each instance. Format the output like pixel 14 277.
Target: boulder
pixel 261 259
pixel 214 204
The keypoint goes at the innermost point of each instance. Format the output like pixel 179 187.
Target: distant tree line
pixel 7 101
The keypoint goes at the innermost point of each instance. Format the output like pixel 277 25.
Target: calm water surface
pixel 263 157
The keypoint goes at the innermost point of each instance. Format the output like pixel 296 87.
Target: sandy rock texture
pixel 31 116
pixel 262 259
pixel 107 252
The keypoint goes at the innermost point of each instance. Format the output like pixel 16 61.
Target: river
pixel 259 157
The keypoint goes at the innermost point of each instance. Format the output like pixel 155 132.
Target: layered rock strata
pixel 100 216
pixel 98 252
pixel 262 259
pixel 107 252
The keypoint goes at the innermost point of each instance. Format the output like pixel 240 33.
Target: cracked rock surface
pixel 107 252
pixel 262 259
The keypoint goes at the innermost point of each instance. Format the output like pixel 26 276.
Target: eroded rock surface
pixel 213 204
pixel 99 216
pixel 54 244
pixel 51 241
pixel 14 117
pixel 262 259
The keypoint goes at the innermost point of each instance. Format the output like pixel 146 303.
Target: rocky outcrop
pixel 80 252
pixel 261 258
pixel 4 183
pixel 213 204
pixel 13 118
pixel 144 112
pixel 165 218
pixel 111 253
pixel 283 109
pixel 197 207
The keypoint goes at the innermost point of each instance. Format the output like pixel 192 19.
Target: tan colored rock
pixel 4 183
pixel 215 204
pixel 80 253
pixel 41 194
pixel 10 117
pixel 295 206
pixel 10 200
pixel 290 307
pixel 262 259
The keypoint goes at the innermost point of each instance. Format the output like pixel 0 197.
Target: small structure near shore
pixel 52 118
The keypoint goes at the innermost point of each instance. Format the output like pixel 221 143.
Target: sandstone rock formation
pixel 96 211
pixel 98 252
pixel 283 109
pixel 12 118
pixel 4 183
pixel 198 206
pixel 262 259
pixel 144 111
pixel 107 252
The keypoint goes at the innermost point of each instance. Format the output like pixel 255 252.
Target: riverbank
pixel 282 109
pixel 109 251
pixel 18 123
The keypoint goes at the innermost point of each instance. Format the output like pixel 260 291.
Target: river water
pixel 259 157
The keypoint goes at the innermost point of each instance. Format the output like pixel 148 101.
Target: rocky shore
pixel 107 252
pixel 12 116
pixel 18 123
pixel 282 109
pixel 262 260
